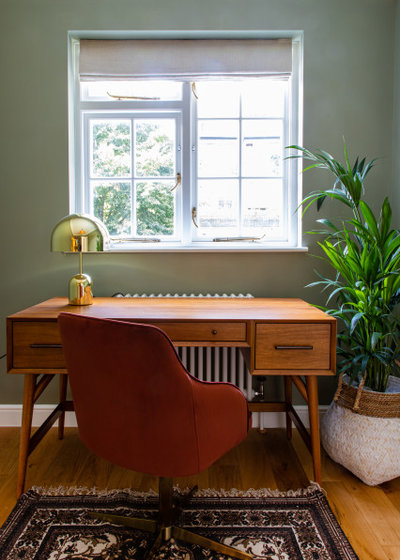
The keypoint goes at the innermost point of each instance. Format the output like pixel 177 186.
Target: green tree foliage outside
pixel 153 156
pixel 155 209
pixel 154 149
pixel 112 205
pixel 111 144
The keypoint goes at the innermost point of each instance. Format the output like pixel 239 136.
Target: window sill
pixel 203 247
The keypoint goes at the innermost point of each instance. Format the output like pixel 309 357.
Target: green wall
pixel 396 120
pixel 348 91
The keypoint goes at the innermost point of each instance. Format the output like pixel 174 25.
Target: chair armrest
pixel 222 419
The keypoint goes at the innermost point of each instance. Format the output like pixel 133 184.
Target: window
pixel 188 157
pixel 130 172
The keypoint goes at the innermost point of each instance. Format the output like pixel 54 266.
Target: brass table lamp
pixel 79 233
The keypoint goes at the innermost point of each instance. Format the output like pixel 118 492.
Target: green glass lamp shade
pixel 79 233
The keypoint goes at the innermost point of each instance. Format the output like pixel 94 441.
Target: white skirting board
pixel 10 415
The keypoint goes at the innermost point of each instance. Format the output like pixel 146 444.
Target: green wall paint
pixel 348 91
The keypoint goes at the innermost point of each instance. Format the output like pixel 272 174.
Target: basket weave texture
pixel 369 403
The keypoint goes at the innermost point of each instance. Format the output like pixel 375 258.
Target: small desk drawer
pixel 37 344
pixel 292 346
pixel 218 332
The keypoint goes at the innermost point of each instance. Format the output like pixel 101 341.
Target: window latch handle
pixel 178 182
pixel 194 215
pixel 194 90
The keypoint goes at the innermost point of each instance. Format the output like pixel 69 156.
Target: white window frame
pixel 92 111
pixel 285 166
pixel 188 241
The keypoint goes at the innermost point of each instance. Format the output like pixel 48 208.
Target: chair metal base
pixel 170 532
pixel 165 528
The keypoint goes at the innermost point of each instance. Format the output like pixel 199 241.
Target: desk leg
pixel 26 426
pixel 312 391
pixel 288 401
pixel 63 398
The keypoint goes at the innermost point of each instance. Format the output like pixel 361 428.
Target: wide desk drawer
pixel 207 332
pixel 292 346
pixel 37 344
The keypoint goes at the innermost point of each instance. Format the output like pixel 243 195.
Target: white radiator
pixel 218 364
pixel 215 363
pixel 211 364
pixel 222 364
pixel 119 294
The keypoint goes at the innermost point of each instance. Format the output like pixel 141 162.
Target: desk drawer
pixel 37 344
pixel 292 346
pixel 218 332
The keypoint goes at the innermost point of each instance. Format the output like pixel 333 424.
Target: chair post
pixel 165 492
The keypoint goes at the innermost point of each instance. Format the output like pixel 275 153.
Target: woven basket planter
pixel 361 431
pixel 370 403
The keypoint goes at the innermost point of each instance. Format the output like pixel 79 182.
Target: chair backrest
pixel 133 397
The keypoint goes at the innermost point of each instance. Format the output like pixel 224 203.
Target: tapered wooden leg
pixel 63 398
pixel 288 400
pixel 26 426
pixel 312 391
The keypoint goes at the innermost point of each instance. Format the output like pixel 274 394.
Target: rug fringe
pixel 205 493
pixel 259 492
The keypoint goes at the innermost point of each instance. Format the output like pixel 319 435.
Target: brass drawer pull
pixel 46 345
pixel 214 331
pixel 294 347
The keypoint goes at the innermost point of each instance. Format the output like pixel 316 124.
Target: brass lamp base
pixel 80 290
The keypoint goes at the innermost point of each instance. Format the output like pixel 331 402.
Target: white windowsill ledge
pixel 220 247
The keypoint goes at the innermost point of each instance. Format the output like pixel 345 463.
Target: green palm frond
pixel 363 293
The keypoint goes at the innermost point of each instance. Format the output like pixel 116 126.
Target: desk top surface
pixel 182 309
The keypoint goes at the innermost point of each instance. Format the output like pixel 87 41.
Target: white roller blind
pixel 180 58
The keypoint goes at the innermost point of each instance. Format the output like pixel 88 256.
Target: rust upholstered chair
pixel 138 407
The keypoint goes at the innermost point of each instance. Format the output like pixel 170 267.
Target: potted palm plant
pixel 361 429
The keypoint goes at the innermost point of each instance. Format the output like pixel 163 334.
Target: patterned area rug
pixel 267 524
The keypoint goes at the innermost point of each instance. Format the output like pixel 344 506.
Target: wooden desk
pixel 285 337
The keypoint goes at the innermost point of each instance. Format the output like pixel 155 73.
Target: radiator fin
pixel 217 364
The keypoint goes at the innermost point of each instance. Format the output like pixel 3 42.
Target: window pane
pixel 112 205
pixel 163 90
pixel 218 204
pixel 218 148
pixel 263 98
pixel 111 148
pixel 218 99
pixel 262 148
pixel 262 204
pixel 155 208
pixel 155 147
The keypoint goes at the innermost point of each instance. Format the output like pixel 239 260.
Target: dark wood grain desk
pixel 285 337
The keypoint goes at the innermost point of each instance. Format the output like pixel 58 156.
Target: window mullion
pixel 88 146
pixel 133 180
pixel 189 162
pixel 240 142
pixel 178 197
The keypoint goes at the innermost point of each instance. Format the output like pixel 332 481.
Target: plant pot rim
pixel 368 402
pixel 393 383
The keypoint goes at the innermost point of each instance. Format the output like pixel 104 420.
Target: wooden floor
pixel 370 517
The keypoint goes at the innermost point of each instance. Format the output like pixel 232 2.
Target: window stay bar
pixel 136 239
pixel 241 238
pixel 119 97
